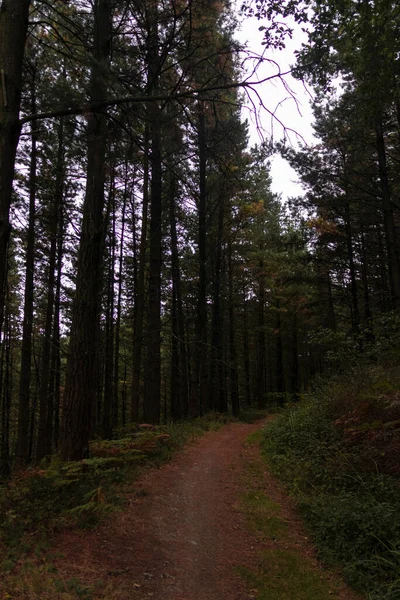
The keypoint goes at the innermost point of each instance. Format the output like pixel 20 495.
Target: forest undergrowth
pixel 337 451
pixel 40 501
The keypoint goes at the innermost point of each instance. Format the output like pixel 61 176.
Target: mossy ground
pixel 285 575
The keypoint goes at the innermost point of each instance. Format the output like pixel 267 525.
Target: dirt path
pixel 184 534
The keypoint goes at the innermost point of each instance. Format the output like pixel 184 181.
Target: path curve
pixel 182 535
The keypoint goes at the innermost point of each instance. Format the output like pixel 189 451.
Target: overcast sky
pixel 295 115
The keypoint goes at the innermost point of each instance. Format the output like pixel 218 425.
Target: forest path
pixel 187 531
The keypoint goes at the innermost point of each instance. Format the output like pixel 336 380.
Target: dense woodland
pixel 147 271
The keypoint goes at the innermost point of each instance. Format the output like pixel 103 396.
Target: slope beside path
pixel 190 530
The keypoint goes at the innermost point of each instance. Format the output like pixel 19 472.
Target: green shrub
pixel 328 450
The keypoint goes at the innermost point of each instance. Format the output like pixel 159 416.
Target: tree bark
pixel 280 376
pixel 81 375
pixel 390 228
pixel 216 385
pixel 108 402
pixel 246 349
pixel 55 380
pixel 234 386
pixel 140 290
pixel 295 356
pixel 369 322
pixel 152 382
pixel 199 386
pixel 353 279
pixel 46 408
pixel 26 347
pixel 261 358
pixel 179 382
pixel 5 396
pixel 13 29
pixel 118 316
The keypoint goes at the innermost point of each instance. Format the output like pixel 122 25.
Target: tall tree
pixel 13 30
pixel 79 393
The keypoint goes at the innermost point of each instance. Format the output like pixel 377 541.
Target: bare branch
pixel 99 107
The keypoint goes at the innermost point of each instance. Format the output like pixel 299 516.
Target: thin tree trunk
pixel 280 377
pixel 385 296
pixel 390 228
pixel 295 356
pixel 5 397
pixel 176 374
pixel 55 386
pixel 331 320
pixel 369 323
pixel 140 290
pixel 32 419
pixel 216 385
pixel 152 381
pixel 261 358
pixel 108 402
pixel 181 326
pixel 124 395
pixel 234 387
pixel 26 347
pixel 46 408
pixel 246 350
pixel 353 280
pixel 199 386
pixel 118 315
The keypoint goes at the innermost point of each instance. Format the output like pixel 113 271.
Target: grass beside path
pixel 338 454
pixel 286 571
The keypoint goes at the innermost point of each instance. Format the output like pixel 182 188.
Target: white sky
pixel 294 114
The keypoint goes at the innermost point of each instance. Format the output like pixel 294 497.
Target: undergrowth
pixel 282 571
pixel 39 501
pixel 338 452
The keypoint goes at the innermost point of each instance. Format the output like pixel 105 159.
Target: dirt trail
pixel 183 533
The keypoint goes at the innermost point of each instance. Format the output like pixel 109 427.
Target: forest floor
pixel 212 524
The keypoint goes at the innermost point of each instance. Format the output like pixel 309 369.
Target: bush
pixel 328 449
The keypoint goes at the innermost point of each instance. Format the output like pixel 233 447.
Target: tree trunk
pixel 198 397
pixel 26 347
pixel 55 381
pixel 13 29
pixel 295 356
pixel 118 315
pixel 246 350
pixel 5 397
pixel 280 377
pixel 369 323
pixel 216 385
pixel 353 280
pixel 108 403
pixel 261 358
pixel 234 387
pixel 81 376
pixel 140 290
pixel 390 229
pixel 385 295
pixel 46 407
pixel 179 382
pixel 152 382
pixel 331 318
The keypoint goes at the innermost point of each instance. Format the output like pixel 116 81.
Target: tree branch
pixel 98 107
